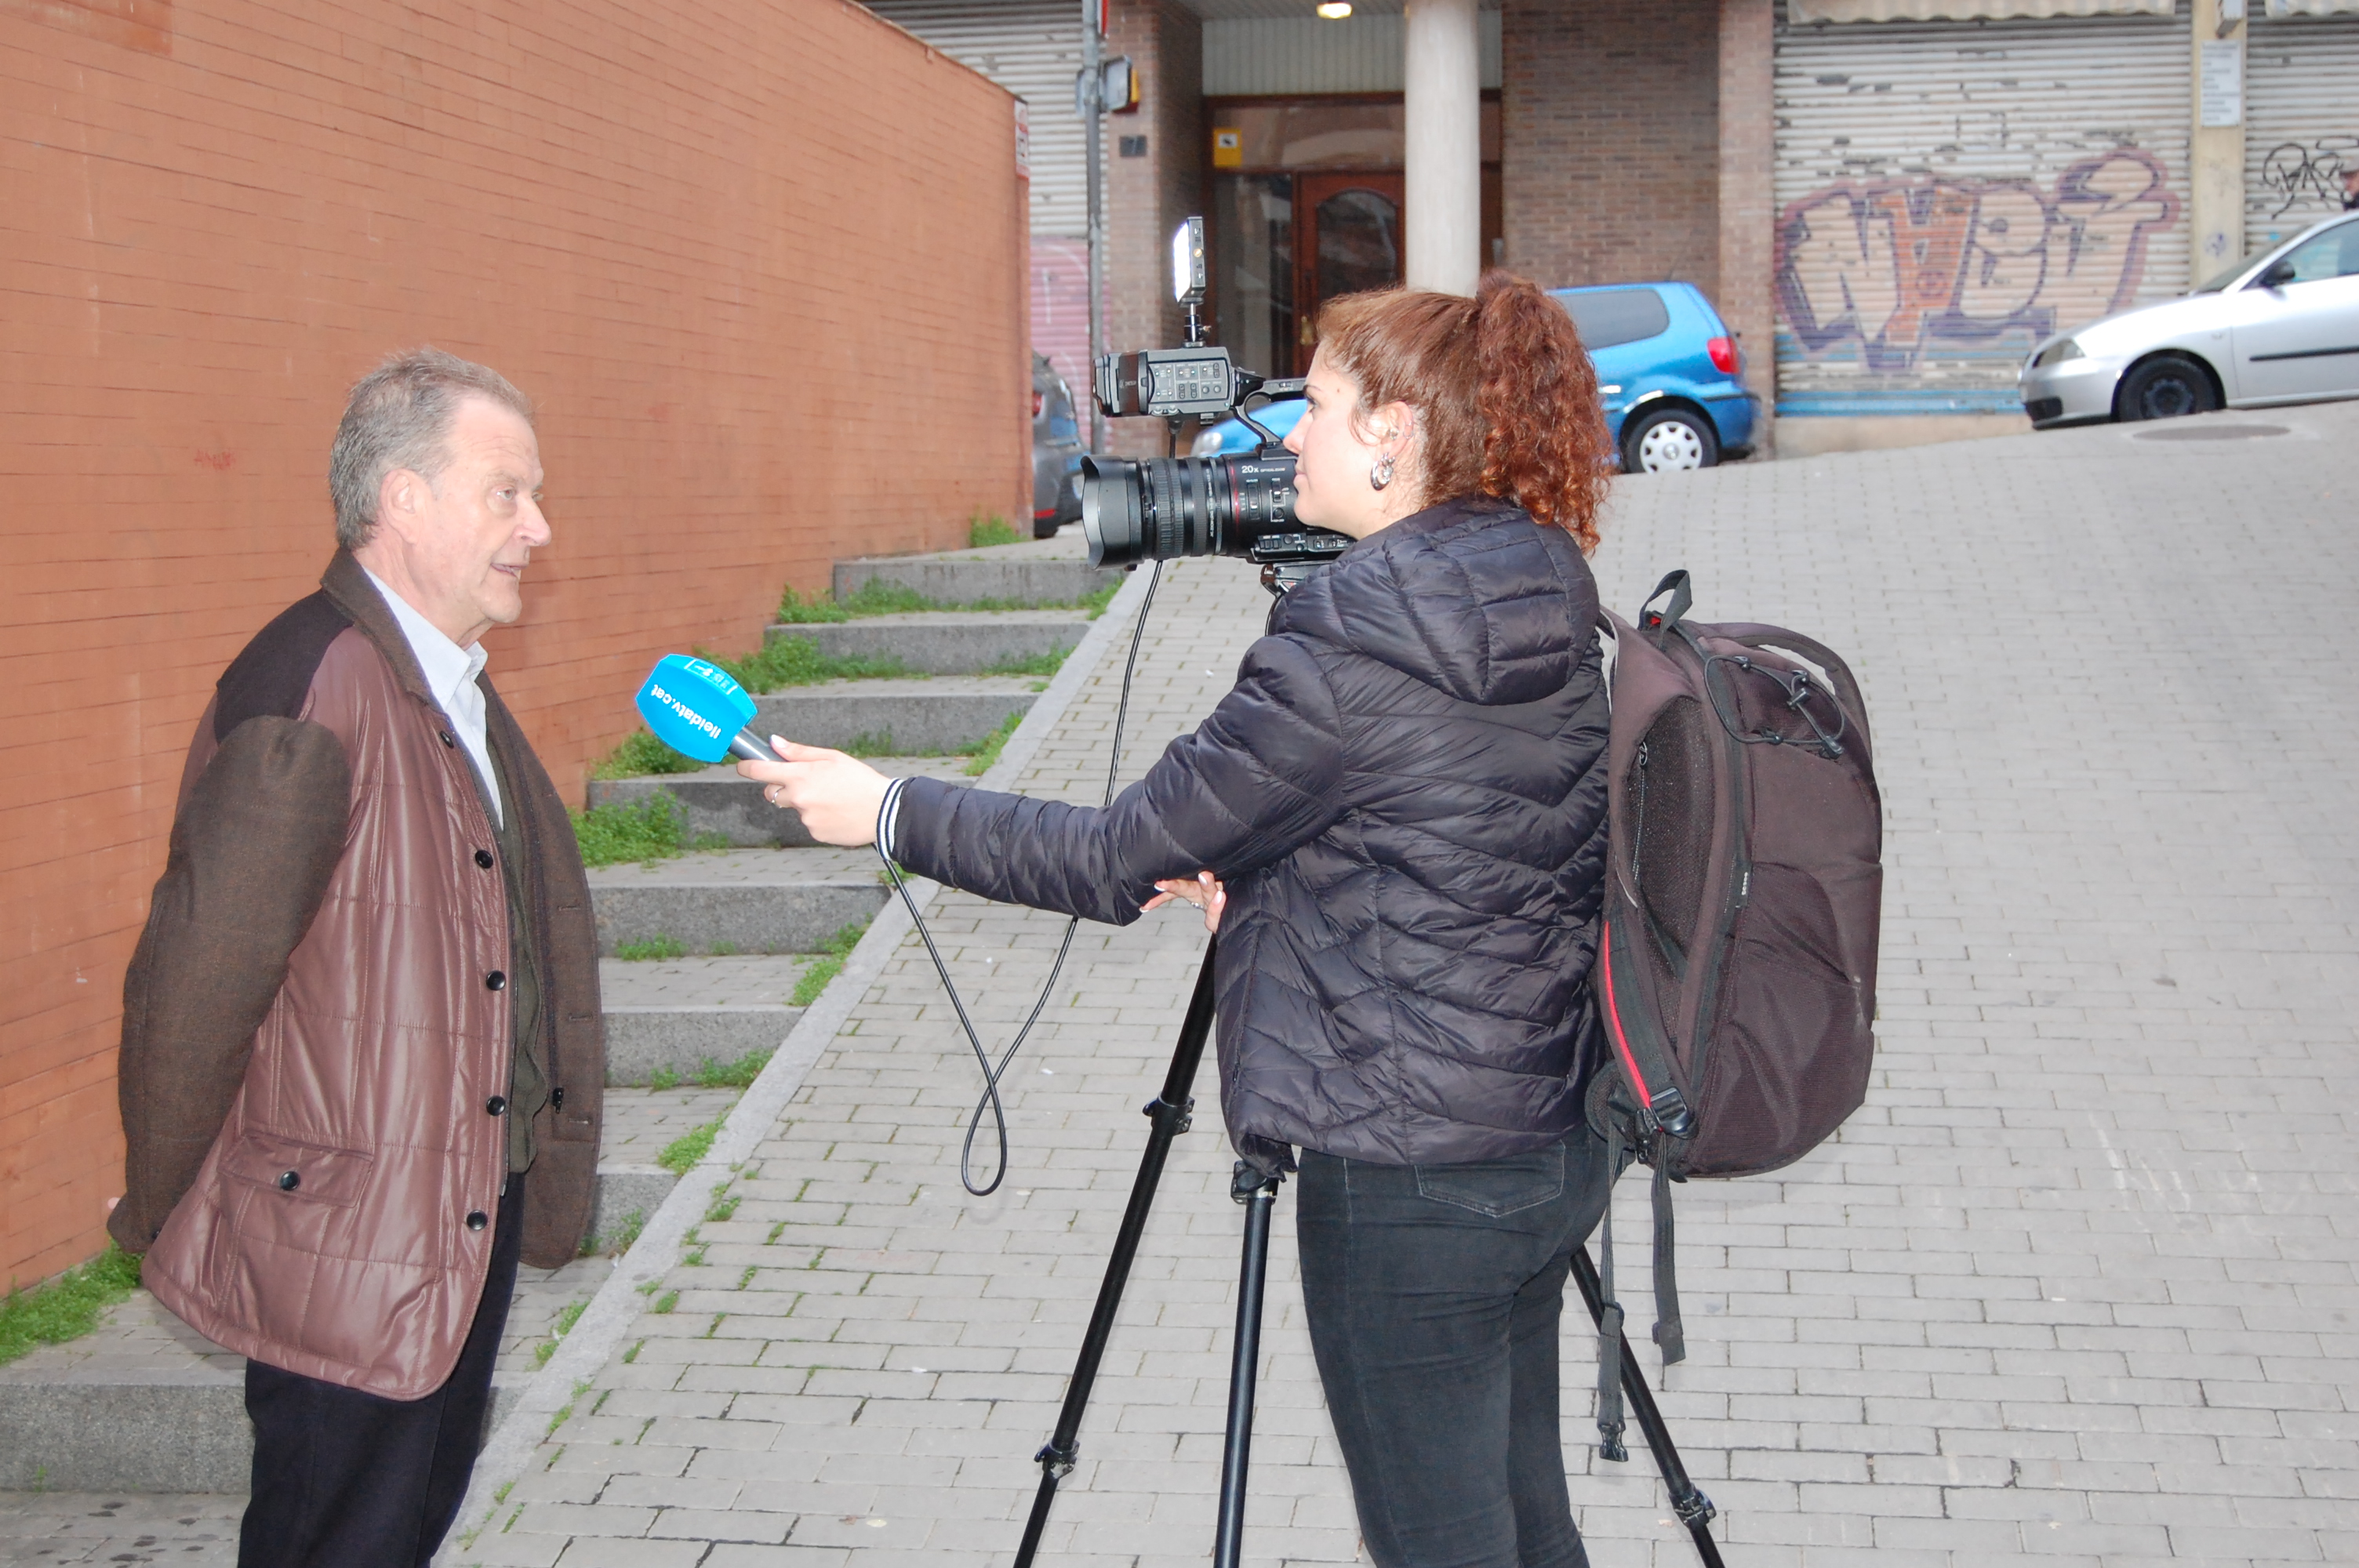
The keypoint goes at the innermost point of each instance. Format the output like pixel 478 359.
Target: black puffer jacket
pixel 1405 796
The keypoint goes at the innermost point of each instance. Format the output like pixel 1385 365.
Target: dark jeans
pixel 345 1479
pixel 1433 1294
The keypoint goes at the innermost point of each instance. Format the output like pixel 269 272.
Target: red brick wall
pixel 1611 142
pixel 1748 210
pixel 762 265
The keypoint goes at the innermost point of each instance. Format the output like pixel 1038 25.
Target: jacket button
pixel 446 738
pixel 495 1105
pixel 477 1220
pixel 289 1180
pixel 484 859
pixel 496 980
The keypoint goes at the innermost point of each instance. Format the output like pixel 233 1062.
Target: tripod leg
pixel 1170 1113
pixel 1694 1509
pixel 1259 1195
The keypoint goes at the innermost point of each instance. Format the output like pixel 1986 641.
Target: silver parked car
pixel 2281 326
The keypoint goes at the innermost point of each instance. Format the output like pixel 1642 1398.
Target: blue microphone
pixel 698 710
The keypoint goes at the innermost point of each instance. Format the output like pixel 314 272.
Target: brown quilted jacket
pixel 316 1028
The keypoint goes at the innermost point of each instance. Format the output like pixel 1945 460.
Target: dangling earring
pixel 1381 474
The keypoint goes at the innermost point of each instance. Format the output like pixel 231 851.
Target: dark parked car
pixel 1667 371
pixel 1056 451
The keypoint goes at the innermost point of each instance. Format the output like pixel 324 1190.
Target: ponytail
pixel 1501 385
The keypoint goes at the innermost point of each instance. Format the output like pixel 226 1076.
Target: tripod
pixel 1169 1113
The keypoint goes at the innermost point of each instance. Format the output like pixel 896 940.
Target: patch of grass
pixel 640 756
pixel 746 1278
pixel 776 1231
pixel 879 597
pixel 559 1330
pixel 985 530
pixel 791 660
pixel 830 964
pixel 1045 663
pixel 723 949
pixel 656 946
pixel 1095 603
pixel 796 611
pixel 622 831
pixel 722 1208
pixel 666 1302
pixel 695 1258
pixel 633 1353
pixel 559 1418
pixel 737 1075
pixel 67 1306
pixel 680 1155
pixel 620 1238
pixel 986 756
pixel 872 744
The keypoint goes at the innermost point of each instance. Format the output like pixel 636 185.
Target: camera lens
pixel 1164 508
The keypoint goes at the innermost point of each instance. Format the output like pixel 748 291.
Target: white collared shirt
pixel 450 671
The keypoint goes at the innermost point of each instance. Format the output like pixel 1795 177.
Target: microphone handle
pixel 750 747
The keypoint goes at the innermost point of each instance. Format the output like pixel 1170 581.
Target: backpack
pixel 1735 979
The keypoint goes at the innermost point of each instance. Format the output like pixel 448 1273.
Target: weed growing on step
pixel 617 1241
pixel 791 661
pixel 737 1075
pixel 796 611
pixel 722 1208
pixel 986 756
pixel 67 1306
pixel 559 1330
pixel 666 1302
pixel 640 756
pixel 1045 663
pixel 680 1155
pixel 828 964
pixel 985 530
pixel 656 946
pixel 633 1353
pixel 746 1278
pixel 625 830
pixel 872 744
pixel 880 596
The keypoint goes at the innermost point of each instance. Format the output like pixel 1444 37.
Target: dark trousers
pixel 1433 1294
pixel 345 1479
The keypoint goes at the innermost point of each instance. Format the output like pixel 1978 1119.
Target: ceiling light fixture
pixel 1335 10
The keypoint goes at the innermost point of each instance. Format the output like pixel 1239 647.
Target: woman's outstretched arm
pixel 1258 777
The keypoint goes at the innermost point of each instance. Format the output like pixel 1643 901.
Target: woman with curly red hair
pixel 1396 823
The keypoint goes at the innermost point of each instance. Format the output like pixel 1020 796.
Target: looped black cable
pixel 990 1100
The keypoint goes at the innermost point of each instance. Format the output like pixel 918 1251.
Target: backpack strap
pixel 1674 583
pixel 1609 1319
pixel 1670 1331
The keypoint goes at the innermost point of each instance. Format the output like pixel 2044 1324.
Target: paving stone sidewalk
pixel 2077 1283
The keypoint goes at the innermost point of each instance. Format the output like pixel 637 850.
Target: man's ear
pixel 399 498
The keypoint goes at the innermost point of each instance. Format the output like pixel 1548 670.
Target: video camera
pixel 1229 504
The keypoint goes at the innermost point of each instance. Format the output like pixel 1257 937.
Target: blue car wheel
pixel 1667 440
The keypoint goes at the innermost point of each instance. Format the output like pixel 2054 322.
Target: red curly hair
pixel 1505 391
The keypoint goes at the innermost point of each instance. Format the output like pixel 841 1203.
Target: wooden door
pixel 1347 238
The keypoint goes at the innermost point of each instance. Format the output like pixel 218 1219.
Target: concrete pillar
pixel 2215 183
pixel 1444 179
pixel 1748 211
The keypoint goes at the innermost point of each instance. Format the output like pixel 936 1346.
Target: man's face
pixel 463 539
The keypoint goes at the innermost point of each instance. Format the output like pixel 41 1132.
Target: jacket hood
pixel 1470 596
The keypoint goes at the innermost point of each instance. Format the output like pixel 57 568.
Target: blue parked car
pixel 1668 369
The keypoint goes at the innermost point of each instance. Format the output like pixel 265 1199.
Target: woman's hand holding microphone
pixel 839 796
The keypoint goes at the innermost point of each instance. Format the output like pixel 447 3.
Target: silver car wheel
pixel 1671 444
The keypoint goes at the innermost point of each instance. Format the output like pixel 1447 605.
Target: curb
pixel 607 1320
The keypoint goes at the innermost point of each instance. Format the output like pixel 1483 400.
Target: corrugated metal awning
pixel 2313 7
pixel 1802 11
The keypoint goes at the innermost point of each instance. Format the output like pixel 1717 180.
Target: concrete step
pixel 1053 572
pixel 146 1405
pixel 716 802
pixel 676 1015
pixel 737 901
pixel 949 642
pixel 914 717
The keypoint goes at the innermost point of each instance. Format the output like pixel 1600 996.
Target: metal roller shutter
pixel 1032 48
pixel 1951 192
pixel 2302 122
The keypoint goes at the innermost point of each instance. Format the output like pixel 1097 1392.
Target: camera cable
pixel 990 1102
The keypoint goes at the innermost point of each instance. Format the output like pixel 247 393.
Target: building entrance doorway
pixel 1306 203
pixel 1350 226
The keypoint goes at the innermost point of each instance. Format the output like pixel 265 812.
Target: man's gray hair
pixel 400 416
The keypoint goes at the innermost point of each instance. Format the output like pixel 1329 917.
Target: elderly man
pixel 366 1005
